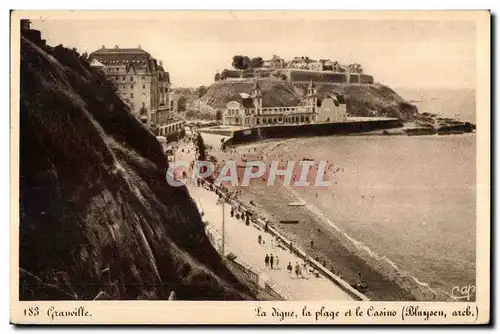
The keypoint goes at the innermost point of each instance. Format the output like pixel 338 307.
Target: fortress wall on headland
pixel 353 78
pixel 310 130
pixel 307 76
pixel 366 79
pixel 299 76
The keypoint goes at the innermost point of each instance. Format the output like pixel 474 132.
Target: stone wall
pixel 310 130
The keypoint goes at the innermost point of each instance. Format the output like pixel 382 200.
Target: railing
pixel 318 266
pixel 252 273
pixel 248 270
pixel 276 291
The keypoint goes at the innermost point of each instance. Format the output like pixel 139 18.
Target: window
pixel 131 86
pixel 131 95
pixel 131 78
pixel 143 77
pixel 123 78
pixel 143 86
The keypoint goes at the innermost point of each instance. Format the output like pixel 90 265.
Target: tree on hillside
pixel 218 115
pixel 181 104
pixel 241 62
pixel 224 74
pixel 200 91
pixel 200 146
pixel 256 62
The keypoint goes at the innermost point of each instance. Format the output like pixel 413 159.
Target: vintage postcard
pixel 250 167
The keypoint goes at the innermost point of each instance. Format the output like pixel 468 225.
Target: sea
pixel 410 200
pixel 455 103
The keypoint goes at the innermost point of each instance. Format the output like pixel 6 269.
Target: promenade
pixel 242 241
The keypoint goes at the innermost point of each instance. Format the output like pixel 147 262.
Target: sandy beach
pixel 328 246
pixel 352 260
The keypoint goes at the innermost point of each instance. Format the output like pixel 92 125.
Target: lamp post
pixel 229 197
pixel 223 228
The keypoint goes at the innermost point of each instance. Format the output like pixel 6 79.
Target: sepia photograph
pixel 295 167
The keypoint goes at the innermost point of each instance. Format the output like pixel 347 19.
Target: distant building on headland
pixel 300 70
pixel 306 63
pixel 249 111
pixel 142 83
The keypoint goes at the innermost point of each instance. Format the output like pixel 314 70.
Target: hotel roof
pixel 116 55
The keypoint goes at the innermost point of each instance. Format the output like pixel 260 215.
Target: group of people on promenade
pixel 302 270
pixel 272 262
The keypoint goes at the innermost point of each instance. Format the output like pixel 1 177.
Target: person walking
pixel 259 239
pixel 312 243
pixel 289 268
pixel 297 269
pixel 266 260
pixel 271 261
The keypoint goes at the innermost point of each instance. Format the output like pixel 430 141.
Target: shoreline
pixel 329 249
pixel 351 260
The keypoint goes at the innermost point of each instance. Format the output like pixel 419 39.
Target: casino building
pixel 249 111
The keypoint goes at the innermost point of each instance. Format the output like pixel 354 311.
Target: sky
pixel 398 53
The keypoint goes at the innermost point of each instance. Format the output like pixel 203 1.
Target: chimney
pixel 160 62
pixel 25 24
pixel 104 46
pixel 116 46
pixel 139 47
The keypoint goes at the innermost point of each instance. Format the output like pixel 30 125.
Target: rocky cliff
pixel 371 100
pixel 96 214
pixel 361 100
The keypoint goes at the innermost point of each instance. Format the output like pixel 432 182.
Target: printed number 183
pixel 31 312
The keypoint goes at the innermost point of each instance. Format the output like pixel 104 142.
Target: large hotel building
pixel 142 83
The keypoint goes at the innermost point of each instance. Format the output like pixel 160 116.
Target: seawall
pixel 309 130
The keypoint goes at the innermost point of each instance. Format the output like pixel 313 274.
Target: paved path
pixel 242 240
